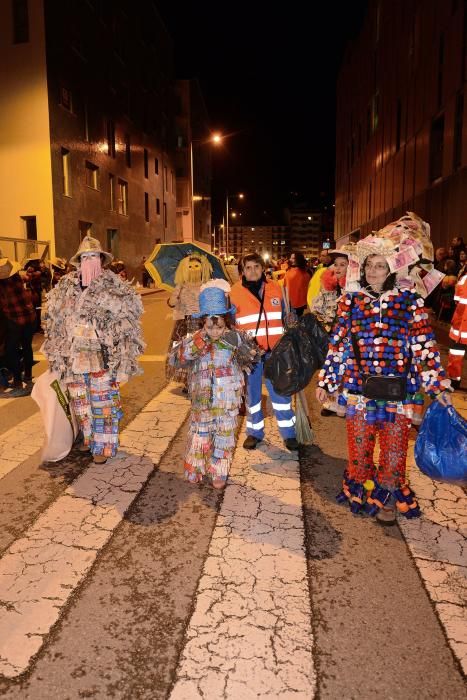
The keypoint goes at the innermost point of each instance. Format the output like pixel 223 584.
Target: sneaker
pixel 251 442
pixel 386 515
pixel 291 444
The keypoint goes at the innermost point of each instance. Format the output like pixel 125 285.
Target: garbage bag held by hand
pixel 292 362
pixel 59 421
pixel 317 335
pixel 441 445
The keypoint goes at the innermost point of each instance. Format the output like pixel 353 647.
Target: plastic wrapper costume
pixel 92 340
pixel 192 272
pixel 216 387
pixel 395 338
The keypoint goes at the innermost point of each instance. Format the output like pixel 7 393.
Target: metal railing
pixel 21 249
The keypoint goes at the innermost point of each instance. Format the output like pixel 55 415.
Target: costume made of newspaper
pixel 92 340
pixel 193 271
pixel 216 386
pixel 394 338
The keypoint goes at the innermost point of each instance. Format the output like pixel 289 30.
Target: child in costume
pixel 193 271
pixel 92 339
pixel 217 357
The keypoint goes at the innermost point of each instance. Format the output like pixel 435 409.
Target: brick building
pixel 88 140
pixel 401 120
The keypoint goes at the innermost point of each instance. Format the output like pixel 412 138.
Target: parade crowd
pixel 372 297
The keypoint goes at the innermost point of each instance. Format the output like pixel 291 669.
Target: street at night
pixel 133 583
pixel 233 329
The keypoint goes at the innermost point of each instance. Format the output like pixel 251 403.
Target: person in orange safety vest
pixel 458 333
pixel 259 311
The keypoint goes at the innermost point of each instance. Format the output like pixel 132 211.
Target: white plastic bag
pixel 60 424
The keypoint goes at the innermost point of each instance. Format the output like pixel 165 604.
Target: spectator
pixel 462 263
pixel 58 267
pixel 315 282
pixel 441 255
pixel 296 281
pixel 17 308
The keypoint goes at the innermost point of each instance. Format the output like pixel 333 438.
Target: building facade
pixel 401 119
pixel 268 241
pixel 193 165
pixel 87 129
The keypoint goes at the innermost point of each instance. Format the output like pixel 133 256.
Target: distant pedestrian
pixel 296 281
pixel 19 315
pixel 216 385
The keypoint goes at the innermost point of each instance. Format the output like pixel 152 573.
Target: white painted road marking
pixel 250 635
pixel 40 571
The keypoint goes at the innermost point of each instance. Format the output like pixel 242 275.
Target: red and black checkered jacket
pixel 16 301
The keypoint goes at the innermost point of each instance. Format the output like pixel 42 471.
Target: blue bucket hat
pixel 213 302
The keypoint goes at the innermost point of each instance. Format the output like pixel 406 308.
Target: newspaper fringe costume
pixel 92 340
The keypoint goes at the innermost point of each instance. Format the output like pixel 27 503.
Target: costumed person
pixel 92 340
pixel 382 337
pixel 315 282
pixel 193 271
pixel 58 269
pixel 324 306
pixel 458 333
pixel 296 281
pixel 260 312
pixel 218 357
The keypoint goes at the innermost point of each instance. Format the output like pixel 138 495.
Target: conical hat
pixel 8 268
pixel 90 245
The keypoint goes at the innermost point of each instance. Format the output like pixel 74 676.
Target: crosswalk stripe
pixel 40 571
pixel 20 443
pixel 250 633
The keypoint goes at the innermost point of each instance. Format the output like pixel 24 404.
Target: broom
pixel 302 426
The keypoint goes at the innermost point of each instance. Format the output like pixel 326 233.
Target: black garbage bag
pixel 297 356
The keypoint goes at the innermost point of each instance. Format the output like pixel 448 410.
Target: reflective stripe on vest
pixel 248 306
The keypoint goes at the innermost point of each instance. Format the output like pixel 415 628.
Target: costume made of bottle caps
pixel 92 340
pixel 394 339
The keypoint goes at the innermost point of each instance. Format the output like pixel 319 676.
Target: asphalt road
pixel 376 631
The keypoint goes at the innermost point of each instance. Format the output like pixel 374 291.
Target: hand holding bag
pixel 441 445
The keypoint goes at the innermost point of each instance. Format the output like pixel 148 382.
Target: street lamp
pixel 215 139
pixel 240 195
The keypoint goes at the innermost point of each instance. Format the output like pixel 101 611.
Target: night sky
pixel 268 76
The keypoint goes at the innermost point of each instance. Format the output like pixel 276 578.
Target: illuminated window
pixel 66 188
pixel 112 193
pixel 92 175
pixel 122 192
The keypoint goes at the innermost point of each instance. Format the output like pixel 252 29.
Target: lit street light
pixel 240 195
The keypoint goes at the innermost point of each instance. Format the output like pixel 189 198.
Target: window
pixel 128 150
pixel 458 119
pixel 165 215
pixel 166 184
pixel 20 21
pixel 112 242
pixel 92 175
pixel 66 99
pixel 398 124
pixel 110 138
pixel 146 206
pixel 122 191
pixel 85 229
pixel 111 192
pixel 436 148
pixel 158 206
pixel 30 225
pixel 156 166
pixel 66 190
pixel 172 182
pixel 146 163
